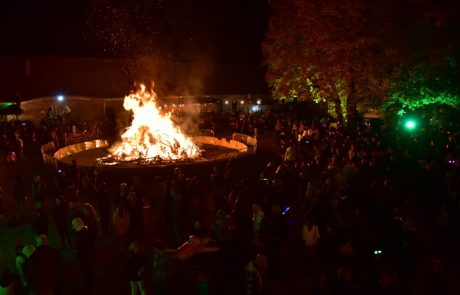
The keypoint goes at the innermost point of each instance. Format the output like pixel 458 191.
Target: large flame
pixel 152 134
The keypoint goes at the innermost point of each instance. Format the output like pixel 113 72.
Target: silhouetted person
pixel 254 280
pixel 23 262
pixel 61 218
pixel 75 173
pixel 136 226
pixel 103 205
pixel 135 268
pixel 1 201
pixel 161 268
pixel 9 283
pixel 45 268
pixel 20 197
pixel 40 223
pixel 38 188
pixel 85 249
pixel 121 223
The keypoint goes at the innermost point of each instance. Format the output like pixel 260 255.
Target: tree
pixel 432 73
pixel 422 85
pixel 347 49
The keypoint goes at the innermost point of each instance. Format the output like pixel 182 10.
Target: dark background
pixel 228 32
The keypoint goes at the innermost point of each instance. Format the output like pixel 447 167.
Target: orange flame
pixel 152 134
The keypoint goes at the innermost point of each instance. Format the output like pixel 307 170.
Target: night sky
pixel 227 32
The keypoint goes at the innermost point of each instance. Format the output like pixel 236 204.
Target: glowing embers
pixel 152 136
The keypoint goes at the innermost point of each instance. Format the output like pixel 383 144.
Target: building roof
pixel 27 78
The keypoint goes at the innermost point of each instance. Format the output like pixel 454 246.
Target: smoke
pixel 188 122
pixel 193 78
pixel 149 37
pixel 171 79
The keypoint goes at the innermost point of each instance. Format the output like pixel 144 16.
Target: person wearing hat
pixel 85 248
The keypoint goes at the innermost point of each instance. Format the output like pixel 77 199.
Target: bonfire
pixel 152 136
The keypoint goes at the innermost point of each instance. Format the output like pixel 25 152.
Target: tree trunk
pixel 351 106
pixel 338 110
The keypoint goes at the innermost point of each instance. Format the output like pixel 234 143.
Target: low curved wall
pixel 235 149
pixel 238 145
pixel 232 144
pixel 78 147
pixel 250 141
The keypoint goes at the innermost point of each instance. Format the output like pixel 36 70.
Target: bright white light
pixel 226 102
pixel 60 98
pixel 255 109
pixel 259 101
pixel 242 102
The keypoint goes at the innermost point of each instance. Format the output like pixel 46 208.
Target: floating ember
pixel 152 135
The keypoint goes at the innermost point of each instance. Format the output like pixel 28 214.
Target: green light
pixel 410 124
pixel 5 105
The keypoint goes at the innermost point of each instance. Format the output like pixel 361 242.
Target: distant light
pixel 242 102
pixel 410 124
pixel 226 102
pixel 259 101
pixel 60 97
pixel 5 105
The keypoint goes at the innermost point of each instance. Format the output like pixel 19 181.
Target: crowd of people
pixel 366 211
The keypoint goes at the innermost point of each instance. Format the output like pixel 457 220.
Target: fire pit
pixel 95 154
pixel 153 141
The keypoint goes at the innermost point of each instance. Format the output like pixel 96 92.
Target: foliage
pixel 314 46
pixel 360 51
pixel 432 73
pixel 436 84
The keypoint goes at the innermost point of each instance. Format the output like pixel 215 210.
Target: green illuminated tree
pixel 420 86
pixel 355 50
pixel 431 76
